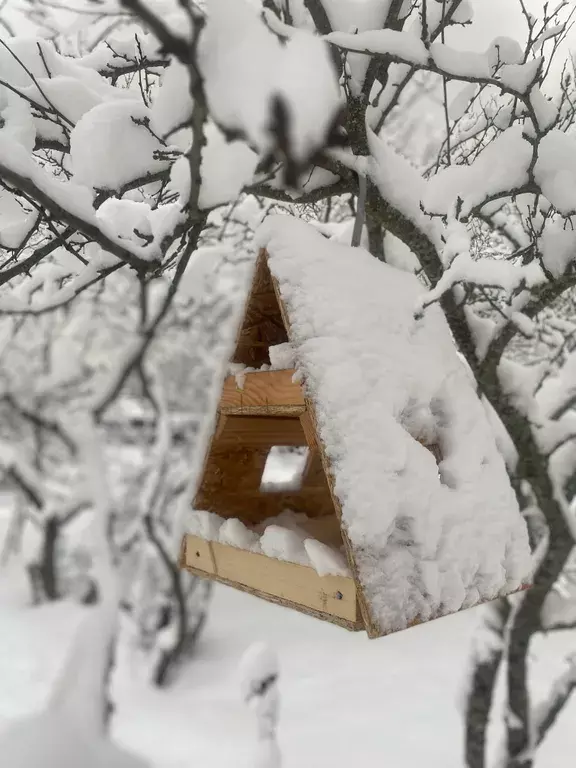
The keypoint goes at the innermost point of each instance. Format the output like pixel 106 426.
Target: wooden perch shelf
pixel 332 598
pixel 263 393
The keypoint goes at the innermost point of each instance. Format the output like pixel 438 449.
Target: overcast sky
pixel 495 18
pixel 492 18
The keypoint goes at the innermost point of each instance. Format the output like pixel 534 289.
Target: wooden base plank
pixel 349 625
pixel 332 598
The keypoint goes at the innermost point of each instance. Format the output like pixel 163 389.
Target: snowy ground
pixel 345 700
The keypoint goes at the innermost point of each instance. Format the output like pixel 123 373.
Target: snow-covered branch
pixel 547 712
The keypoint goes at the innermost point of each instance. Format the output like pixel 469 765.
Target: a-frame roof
pixel 428 532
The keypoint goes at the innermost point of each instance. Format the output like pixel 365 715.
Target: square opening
pixel 260 468
pixel 284 469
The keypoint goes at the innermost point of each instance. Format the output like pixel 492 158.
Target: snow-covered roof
pixel 428 538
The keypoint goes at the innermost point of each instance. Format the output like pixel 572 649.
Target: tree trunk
pixel 482 686
pixel 375 237
pixel 43 576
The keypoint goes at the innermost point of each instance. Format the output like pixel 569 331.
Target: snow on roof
pixel 428 538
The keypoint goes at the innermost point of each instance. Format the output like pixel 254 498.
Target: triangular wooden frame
pixel 268 398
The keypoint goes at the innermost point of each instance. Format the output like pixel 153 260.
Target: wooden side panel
pixel 309 430
pixel 264 393
pixel 314 474
pixel 290 583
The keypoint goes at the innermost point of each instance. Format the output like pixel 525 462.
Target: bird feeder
pixel 398 508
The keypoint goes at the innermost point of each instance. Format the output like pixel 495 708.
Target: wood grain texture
pixel 309 430
pixel 261 432
pixel 255 507
pixel 231 480
pixel 333 596
pixel 263 393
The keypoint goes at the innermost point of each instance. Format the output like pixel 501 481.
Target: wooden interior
pixel 263 410
pixel 263 325
pixel 232 477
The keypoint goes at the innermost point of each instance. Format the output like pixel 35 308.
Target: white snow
pixel 258 664
pixel 15 221
pixel 204 524
pixel 226 168
pixel 401 45
pixel 17 120
pixel 234 533
pixel 283 537
pixel 121 46
pixel 111 147
pixel 74 198
pixel 325 560
pixel 69 730
pixel 428 539
pixel 358 16
pixel 502 61
pixel 284 469
pixel 495 273
pixel 34 67
pixel 344 699
pixel 281 356
pixel 558 247
pixel 172 104
pixel 548 34
pixel 259 669
pixel 282 544
pixel 243 72
pixel 555 170
pixel 500 168
pixel 48 741
pixel 398 181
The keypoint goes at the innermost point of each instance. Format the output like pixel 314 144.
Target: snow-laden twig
pixel 259 685
pixel 547 712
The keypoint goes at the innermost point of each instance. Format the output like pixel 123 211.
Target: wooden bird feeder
pixel 269 411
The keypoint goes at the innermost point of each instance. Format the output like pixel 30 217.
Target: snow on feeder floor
pixel 291 559
pixel 345 408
